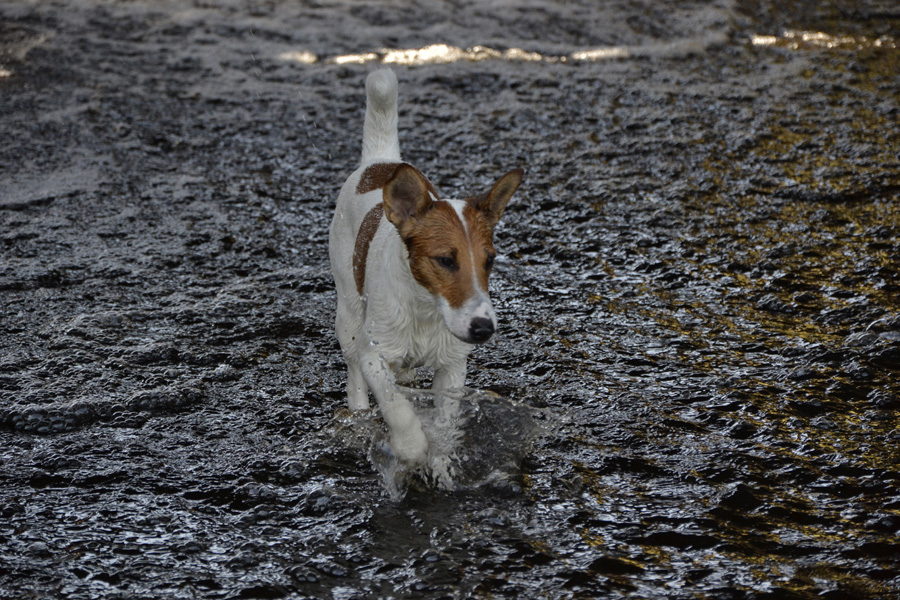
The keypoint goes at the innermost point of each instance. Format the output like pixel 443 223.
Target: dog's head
pixel 450 244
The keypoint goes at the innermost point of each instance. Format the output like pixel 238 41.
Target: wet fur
pixel 413 292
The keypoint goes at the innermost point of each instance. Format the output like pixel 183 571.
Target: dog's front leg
pixel 407 438
pixel 448 420
pixel 446 378
pixel 449 377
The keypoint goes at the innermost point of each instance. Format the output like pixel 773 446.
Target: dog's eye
pixel 489 262
pixel 448 262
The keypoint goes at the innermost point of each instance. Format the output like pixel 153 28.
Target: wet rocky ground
pixel 698 282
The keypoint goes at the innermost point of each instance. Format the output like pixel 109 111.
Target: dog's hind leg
pixel 357 390
pixel 348 326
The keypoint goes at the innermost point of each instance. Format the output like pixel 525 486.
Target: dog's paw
pixel 410 445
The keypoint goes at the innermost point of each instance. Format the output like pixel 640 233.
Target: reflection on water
pixel 799 39
pixel 438 54
pixel 809 268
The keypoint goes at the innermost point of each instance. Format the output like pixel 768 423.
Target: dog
pixel 411 271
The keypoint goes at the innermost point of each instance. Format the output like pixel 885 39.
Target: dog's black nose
pixel 481 330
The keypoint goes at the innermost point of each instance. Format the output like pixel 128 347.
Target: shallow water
pixel 697 290
pixel 476 440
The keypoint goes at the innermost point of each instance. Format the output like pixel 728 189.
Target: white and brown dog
pixel 411 271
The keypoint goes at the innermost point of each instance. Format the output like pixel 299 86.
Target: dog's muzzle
pixel 481 330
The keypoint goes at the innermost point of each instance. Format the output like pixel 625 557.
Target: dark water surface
pixel 698 289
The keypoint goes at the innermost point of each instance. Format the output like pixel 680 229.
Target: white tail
pixel 380 140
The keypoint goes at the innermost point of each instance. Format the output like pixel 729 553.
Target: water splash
pixel 476 439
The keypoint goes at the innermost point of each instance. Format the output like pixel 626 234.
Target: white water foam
pixel 477 439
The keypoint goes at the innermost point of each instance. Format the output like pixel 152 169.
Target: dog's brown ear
pixel 494 202
pixel 406 197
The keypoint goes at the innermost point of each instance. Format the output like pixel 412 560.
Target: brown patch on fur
pixel 433 231
pixel 481 234
pixel 440 234
pixel 363 239
pixel 377 175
